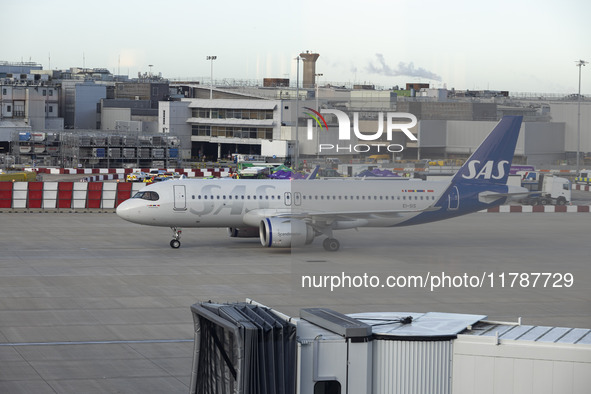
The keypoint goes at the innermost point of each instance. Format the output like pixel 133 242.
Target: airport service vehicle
pixel 584 177
pixel 137 176
pixel 290 213
pixel 552 189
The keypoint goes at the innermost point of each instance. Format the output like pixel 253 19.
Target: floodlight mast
pixel 212 58
pixel 579 64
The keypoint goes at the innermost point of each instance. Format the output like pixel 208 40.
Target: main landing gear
pixel 331 244
pixel 175 243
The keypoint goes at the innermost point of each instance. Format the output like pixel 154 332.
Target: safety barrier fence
pixel 538 208
pixel 190 172
pixel 584 188
pixel 66 196
pixel 93 196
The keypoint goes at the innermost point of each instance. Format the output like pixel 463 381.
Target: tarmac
pixel 91 303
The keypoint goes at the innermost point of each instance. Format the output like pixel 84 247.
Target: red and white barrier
pixel 584 188
pixel 108 195
pixel 65 195
pixel 189 172
pixel 539 208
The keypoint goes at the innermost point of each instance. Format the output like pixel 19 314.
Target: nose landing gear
pixel 175 243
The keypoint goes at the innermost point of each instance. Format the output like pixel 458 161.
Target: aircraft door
pixel 297 198
pixel 453 198
pixel 287 198
pixel 180 200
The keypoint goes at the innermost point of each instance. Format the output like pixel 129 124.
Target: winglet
pixel 313 173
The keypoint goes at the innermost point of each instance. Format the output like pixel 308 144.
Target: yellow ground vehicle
pixel 24 176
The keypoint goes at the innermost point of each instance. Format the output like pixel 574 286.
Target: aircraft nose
pixel 125 210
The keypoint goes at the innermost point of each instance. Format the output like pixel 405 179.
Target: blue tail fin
pixel 490 163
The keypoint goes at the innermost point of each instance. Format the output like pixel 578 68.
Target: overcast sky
pixel 520 46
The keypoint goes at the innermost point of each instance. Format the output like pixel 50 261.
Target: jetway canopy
pixel 242 349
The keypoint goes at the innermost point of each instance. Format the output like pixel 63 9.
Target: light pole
pixel 580 64
pixel 297 141
pixel 212 58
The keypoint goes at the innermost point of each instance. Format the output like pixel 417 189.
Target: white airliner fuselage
pixel 285 213
pixel 239 203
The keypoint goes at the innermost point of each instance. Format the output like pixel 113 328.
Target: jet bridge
pixel 246 349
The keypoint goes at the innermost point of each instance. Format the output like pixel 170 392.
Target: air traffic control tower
pixel 309 60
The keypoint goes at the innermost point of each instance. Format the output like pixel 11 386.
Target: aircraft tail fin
pixel 491 161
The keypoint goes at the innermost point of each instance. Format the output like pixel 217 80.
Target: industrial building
pixel 261 120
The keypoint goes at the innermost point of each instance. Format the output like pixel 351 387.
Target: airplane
pixel 291 213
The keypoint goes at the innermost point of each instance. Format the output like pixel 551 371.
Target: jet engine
pixel 284 233
pixel 243 232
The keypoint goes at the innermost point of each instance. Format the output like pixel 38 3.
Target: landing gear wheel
pixel 176 235
pixel 331 244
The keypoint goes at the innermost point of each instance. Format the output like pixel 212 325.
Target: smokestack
pixel 309 60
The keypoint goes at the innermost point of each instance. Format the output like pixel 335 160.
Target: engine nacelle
pixel 284 233
pixel 243 232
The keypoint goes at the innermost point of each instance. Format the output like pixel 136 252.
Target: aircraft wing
pixel 352 215
pixel 253 217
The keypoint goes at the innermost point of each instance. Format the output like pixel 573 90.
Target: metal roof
pixel 531 333
pixel 430 325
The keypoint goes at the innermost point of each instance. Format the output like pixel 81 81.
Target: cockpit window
pixel 151 196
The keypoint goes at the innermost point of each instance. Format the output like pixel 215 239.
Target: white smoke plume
pixel 403 69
